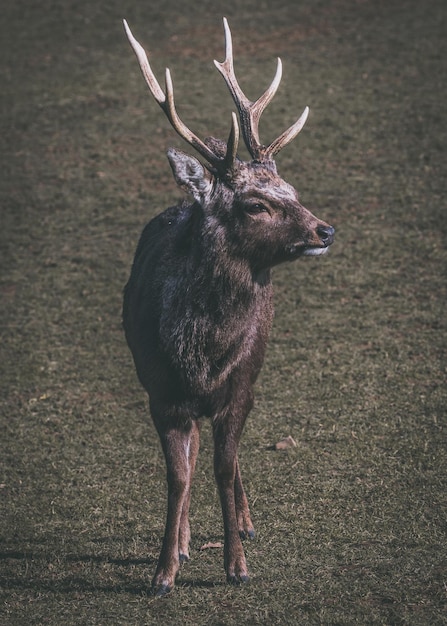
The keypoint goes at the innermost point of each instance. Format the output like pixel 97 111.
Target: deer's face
pixel 257 216
pixel 269 222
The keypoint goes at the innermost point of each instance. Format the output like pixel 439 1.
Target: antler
pixel 166 101
pixel 250 112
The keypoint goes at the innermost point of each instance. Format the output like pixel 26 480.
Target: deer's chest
pixel 205 340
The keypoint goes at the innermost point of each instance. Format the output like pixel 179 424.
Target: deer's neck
pixel 228 279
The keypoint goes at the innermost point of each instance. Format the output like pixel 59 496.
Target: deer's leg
pixel 227 429
pixel 184 531
pixel 176 443
pixel 244 522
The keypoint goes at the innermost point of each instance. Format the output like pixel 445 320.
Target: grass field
pixel 352 523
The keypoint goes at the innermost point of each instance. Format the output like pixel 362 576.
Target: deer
pixel 198 305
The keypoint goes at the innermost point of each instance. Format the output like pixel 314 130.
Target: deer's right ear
pixel 190 174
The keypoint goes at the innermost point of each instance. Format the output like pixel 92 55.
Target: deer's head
pixel 259 209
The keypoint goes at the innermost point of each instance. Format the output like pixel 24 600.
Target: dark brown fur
pixel 197 313
pixel 198 305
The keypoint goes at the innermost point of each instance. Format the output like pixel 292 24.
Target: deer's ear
pixel 190 174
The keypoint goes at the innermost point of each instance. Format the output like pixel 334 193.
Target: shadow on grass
pixel 87 558
pixel 86 584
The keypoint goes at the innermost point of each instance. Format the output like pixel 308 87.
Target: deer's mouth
pixel 296 250
pixel 311 251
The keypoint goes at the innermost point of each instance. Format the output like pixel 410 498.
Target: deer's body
pixel 198 309
pixel 200 314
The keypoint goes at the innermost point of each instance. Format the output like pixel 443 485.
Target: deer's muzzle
pixel 325 235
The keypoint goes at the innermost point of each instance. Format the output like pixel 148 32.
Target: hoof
pixel 161 590
pixel 237 580
pixel 250 534
pixel 183 558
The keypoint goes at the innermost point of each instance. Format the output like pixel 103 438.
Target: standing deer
pixel 198 304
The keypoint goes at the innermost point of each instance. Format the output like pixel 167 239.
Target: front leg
pixel 245 525
pixel 227 431
pixel 180 447
pixel 184 531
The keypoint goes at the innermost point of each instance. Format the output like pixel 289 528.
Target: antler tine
pixel 287 136
pixel 227 70
pixel 146 69
pixel 232 144
pixel 167 103
pixel 169 108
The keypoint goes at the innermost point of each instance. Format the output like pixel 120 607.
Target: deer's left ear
pixel 190 174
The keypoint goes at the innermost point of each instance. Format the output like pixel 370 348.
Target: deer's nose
pixel 326 234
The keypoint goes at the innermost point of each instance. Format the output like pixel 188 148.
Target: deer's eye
pixel 256 208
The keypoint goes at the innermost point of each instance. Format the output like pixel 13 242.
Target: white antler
pixel 167 103
pixel 250 112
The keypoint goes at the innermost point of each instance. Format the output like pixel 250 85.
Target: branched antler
pixel 167 103
pixel 250 112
